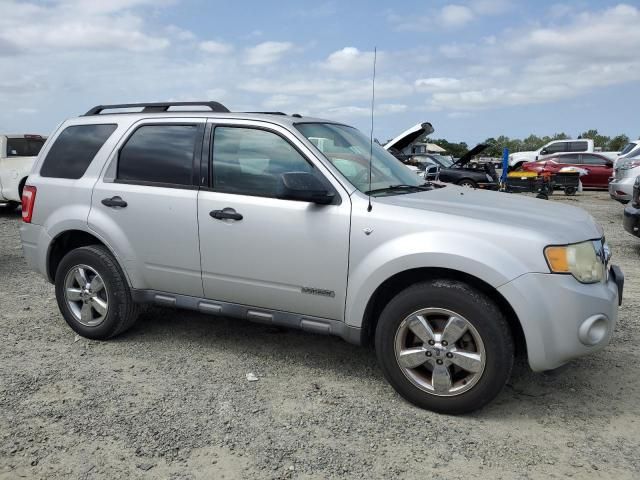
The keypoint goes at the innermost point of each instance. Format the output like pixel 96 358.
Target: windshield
pixel 348 150
pixel 628 147
pixel 444 160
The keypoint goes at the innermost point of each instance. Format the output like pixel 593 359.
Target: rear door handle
pixel 226 214
pixel 114 202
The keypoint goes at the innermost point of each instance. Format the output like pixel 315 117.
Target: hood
pixel 409 136
pixel 463 160
pixel 559 224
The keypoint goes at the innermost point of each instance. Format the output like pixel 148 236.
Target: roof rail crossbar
pixel 158 107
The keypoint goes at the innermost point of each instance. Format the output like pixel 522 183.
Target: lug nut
pixel 431 342
pixel 449 355
pixel 439 362
pixel 428 354
pixel 444 343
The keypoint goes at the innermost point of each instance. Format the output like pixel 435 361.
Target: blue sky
pixel 473 68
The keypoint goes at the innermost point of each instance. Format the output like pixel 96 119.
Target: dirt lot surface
pixel 171 399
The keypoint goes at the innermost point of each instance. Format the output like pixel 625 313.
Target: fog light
pixel 593 330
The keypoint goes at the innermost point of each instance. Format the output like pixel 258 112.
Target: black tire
pixel 623 202
pixel 569 190
pixel 542 196
pixel 479 311
pixel 122 312
pixel 467 182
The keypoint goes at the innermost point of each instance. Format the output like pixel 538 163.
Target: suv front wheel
pixel 444 346
pixel 93 294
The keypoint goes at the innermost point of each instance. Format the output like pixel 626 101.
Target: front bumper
pixel 621 189
pixel 563 319
pixel 631 220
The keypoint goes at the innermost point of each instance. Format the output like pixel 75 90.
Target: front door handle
pixel 226 214
pixel 114 202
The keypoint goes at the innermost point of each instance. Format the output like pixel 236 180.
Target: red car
pixel 600 168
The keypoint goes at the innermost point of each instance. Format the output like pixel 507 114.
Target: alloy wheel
pixel 86 295
pixel 440 352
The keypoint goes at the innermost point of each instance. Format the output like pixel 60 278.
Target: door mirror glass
pixel 305 187
pixel 544 151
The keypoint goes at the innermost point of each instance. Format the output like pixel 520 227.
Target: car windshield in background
pixel 444 160
pixel 348 150
pixel 24 147
pixel 628 147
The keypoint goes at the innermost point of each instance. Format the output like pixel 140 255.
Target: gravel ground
pixel 171 399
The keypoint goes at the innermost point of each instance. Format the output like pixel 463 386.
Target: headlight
pixel 580 260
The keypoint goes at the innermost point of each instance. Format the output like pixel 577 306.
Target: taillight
pixel 630 165
pixel 28 202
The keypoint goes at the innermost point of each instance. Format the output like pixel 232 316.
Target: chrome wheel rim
pixel 440 352
pixel 466 185
pixel 86 295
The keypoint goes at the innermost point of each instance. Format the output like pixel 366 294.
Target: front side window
pixel 24 147
pixel 571 159
pixel 556 147
pixel 74 150
pixel 349 151
pixel 249 161
pixel 160 154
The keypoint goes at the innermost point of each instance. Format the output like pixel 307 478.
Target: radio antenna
pixel 373 102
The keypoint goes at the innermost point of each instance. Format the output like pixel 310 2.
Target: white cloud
pixel 455 16
pixel 76 25
pixel 437 83
pixel 215 48
pixel 267 52
pixel 349 60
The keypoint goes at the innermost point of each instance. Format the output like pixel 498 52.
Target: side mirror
pixel 305 187
pixel 544 151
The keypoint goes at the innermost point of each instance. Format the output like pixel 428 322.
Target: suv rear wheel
pixel 93 294
pixel 444 346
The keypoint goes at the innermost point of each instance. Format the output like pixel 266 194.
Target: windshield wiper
pixel 393 188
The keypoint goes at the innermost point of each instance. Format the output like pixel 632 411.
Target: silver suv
pixel 280 220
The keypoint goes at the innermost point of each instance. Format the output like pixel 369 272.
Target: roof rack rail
pixel 157 107
pixel 269 113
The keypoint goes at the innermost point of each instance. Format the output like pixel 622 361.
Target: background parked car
pixel 632 212
pixel 455 171
pixel 554 148
pixel 624 177
pixel 598 166
pixel 630 150
pixel 17 154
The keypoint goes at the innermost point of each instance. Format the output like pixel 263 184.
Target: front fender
pixel 458 252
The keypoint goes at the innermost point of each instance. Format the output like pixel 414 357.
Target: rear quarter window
pixel 74 150
pixel 578 146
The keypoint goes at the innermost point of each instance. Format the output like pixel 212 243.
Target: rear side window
pixel 24 147
pixel 569 159
pixel 593 160
pixel 74 150
pixel 578 146
pixel 160 154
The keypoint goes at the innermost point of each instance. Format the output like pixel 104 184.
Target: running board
pixel 263 316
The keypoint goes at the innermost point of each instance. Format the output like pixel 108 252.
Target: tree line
pixel 532 142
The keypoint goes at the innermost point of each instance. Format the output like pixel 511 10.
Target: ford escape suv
pixel 302 223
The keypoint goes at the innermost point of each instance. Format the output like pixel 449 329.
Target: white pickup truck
pixel 554 148
pixel 17 154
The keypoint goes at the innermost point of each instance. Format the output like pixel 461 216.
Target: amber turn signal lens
pixel 557 258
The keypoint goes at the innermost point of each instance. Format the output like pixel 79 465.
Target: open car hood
pixel 409 136
pixel 463 160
